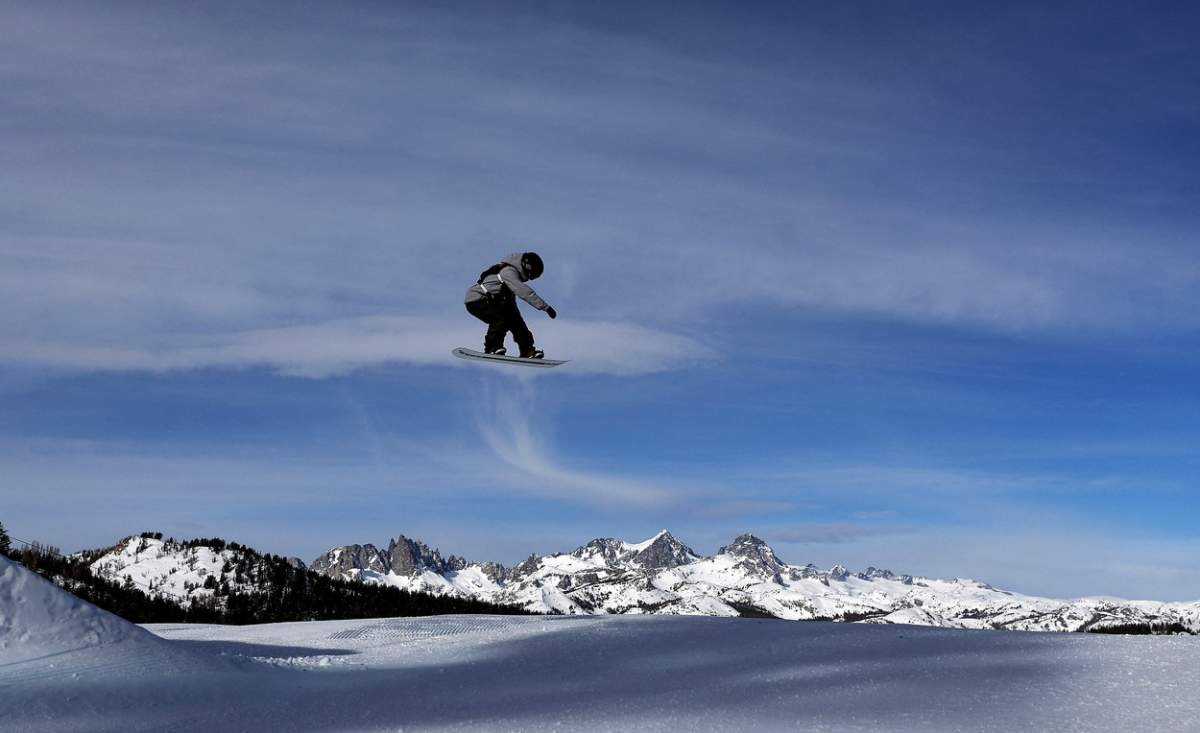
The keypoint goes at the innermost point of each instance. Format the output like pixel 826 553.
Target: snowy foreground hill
pixel 664 576
pixel 67 667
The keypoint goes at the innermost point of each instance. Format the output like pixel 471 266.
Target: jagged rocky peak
pixel 874 573
pixel 608 549
pixel 526 567
pixel 410 557
pixel 664 551
pixel 348 558
pixel 838 572
pixel 809 571
pixel 496 572
pixel 754 552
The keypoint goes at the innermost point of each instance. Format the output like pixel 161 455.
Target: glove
pixel 551 312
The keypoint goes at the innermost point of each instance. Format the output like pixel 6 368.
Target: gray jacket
pixel 512 278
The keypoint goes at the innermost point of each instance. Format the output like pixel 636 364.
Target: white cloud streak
pixel 506 424
pixel 340 346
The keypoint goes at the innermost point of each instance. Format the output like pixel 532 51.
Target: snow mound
pixel 38 619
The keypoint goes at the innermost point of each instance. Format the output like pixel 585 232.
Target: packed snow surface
pixel 644 673
pixel 38 619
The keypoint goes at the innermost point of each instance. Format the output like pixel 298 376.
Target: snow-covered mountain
pixel 213 581
pixel 664 576
pixel 188 573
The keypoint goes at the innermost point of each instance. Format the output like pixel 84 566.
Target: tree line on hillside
pixel 1155 628
pixel 256 589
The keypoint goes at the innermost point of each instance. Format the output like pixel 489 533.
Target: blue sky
pixel 905 285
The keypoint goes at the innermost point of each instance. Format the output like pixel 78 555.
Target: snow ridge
pixel 39 619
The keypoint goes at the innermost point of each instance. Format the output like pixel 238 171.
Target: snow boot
pixel 533 354
pixel 498 351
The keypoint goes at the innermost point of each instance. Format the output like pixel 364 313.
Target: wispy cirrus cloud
pixel 507 425
pixel 340 346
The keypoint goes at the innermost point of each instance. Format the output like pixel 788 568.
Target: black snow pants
pixel 500 313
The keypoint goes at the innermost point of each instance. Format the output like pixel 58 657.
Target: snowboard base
pixel 480 356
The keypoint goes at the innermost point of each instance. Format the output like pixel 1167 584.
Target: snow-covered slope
pixel 66 667
pixel 39 619
pixel 663 576
pixel 612 673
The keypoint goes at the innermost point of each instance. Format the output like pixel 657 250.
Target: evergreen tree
pixel 5 545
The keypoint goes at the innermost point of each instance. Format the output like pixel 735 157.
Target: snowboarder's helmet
pixel 531 263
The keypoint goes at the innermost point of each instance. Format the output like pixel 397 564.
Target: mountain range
pixel 662 575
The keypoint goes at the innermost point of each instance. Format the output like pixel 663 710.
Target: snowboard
pixel 480 356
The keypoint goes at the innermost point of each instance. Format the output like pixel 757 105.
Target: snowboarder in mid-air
pixel 493 300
